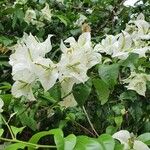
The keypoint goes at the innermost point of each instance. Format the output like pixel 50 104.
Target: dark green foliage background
pixel 109 110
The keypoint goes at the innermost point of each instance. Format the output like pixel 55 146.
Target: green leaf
pixel 36 137
pixel 131 61
pixel 25 118
pixel 16 146
pixel 1 132
pixel 70 142
pixel 86 143
pixel 145 138
pixel 119 146
pixel 58 136
pixel 55 92
pixel 16 130
pixel 107 141
pixel 6 98
pixel 63 19
pixel 82 91
pixel 109 74
pixel 118 120
pixel 5 40
pixel 111 130
pixel 102 90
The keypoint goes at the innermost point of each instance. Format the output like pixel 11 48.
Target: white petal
pixel 66 86
pixel 69 101
pixel 123 136
pixel 84 38
pixel 22 89
pixel 46 71
pixel 125 41
pixel 138 145
pixel 71 40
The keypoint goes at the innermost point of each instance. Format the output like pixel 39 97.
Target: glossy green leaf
pixel 70 142
pixel 109 74
pixel 63 19
pixel 102 90
pixel 86 143
pixel 118 120
pixel 82 91
pixel 145 138
pixel 107 141
pixel 58 137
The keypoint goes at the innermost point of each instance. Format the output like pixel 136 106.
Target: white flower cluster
pixel 137 82
pixel 29 64
pixel 129 141
pixel 134 39
pixel 80 20
pixel 31 16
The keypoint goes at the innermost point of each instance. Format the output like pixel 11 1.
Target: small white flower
pixel 46 13
pixel 81 20
pixel 137 82
pixel 28 53
pixel 89 11
pixel 132 40
pixel 129 141
pixel 30 16
pixel 21 88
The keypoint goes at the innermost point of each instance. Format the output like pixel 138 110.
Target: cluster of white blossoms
pixel 29 64
pixel 130 141
pixel 137 82
pixel 80 20
pixel 31 16
pixel 134 39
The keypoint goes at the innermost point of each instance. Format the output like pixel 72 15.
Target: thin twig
pixel 87 130
pixel 12 135
pixel 28 143
pixel 86 114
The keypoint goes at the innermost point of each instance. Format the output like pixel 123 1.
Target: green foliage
pixel 82 91
pixel 109 74
pixel 109 105
pixel 102 90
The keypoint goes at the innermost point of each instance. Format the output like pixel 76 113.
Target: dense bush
pixel 89 90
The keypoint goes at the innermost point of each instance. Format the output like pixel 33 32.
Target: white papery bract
pixel 30 16
pixel 134 39
pixel 80 20
pixel 28 52
pixel 74 64
pixel 46 13
pixel 77 59
pixel 46 72
pixel 21 88
pixel 137 82
pixel 29 65
pixel 129 141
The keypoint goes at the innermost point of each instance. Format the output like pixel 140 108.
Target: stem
pixel 12 135
pixel 86 114
pixel 87 130
pixel 28 143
